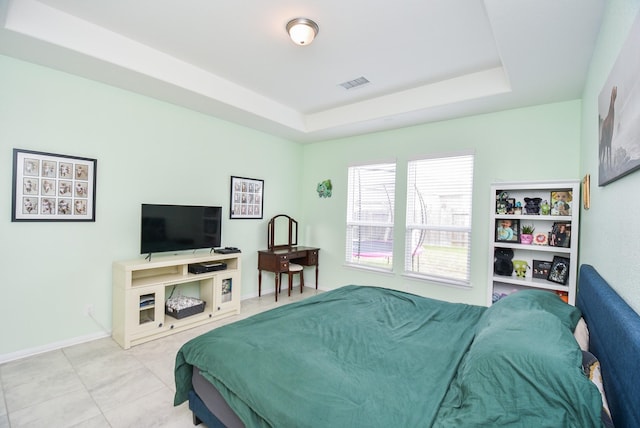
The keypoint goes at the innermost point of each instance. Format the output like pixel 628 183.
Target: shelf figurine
pixel 545 208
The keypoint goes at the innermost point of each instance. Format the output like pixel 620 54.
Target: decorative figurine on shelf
pixel 532 205
pixel 526 236
pixel 324 189
pixel 517 210
pixel 540 239
pixel 502 264
pixel 520 266
pixel 545 208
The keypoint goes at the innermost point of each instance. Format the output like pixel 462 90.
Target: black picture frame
pixel 507 233
pixel 246 198
pixel 560 235
pixel 559 271
pixel 541 269
pixel 53 187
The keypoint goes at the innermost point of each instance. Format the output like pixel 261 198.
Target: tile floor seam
pixel 86 388
pixel 79 355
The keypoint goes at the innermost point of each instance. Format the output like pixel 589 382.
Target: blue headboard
pixel 614 338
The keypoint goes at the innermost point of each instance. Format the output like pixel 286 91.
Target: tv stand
pixel 141 287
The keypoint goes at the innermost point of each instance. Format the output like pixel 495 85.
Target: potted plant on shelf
pixel 526 236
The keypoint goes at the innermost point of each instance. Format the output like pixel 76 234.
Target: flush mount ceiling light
pixel 302 31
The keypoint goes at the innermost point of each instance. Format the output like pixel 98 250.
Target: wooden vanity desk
pixel 283 248
pixel 277 261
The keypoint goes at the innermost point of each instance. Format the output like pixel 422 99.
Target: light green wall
pixel 150 151
pixel 533 143
pixel 610 232
pixel 147 151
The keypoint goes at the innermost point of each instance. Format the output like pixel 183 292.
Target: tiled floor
pixel 98 384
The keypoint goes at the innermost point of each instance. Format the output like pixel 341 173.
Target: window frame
pixel 375 260
pixel 412 226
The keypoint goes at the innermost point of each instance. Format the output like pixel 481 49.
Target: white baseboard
pixel 5 358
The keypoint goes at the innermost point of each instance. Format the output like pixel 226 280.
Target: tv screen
pixel 179 227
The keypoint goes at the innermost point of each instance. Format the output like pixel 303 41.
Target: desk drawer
pixel 312 258
pixel 297 254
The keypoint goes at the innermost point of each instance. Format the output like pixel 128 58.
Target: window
pixel 370 215
pixel 438 244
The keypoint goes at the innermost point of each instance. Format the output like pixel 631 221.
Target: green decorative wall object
pixel 324 189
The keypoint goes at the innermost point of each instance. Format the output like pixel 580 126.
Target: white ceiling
pixel 427 60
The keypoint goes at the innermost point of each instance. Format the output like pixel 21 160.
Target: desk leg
pixel 277 281
pixel 317 270
pixel 259 282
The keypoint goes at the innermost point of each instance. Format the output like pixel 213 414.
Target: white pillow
pixel 581 333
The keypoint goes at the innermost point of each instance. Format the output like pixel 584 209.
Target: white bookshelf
pixel 544 224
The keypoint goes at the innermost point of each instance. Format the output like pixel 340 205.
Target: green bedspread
pixel 369 357
pixel 374 357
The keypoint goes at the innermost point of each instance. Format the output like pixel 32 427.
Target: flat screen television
pixel 179 227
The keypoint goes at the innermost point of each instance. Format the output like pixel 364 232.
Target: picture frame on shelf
pixel 502 202
pixel 507 230
pixel 560 235
pixel 247 198
pixel 559 271
pixel 541 269
pixel 561 202
pixel 53 187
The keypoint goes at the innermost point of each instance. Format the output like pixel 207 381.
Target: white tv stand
pixel 141 287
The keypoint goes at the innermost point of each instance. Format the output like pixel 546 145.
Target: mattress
pixel 214 401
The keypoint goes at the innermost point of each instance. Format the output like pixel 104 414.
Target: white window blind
pixel 370 215
pixel 439 202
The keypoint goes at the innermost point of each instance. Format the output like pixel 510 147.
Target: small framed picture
pixel 560 235
pixel 559 271
pixel 502 202
pixel 561 202
pixel 508 230
pixel 246 198
pixel 541 269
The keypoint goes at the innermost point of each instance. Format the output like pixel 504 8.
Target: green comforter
pixel 373 357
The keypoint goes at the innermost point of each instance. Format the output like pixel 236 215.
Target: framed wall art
pixel 53 187
pixel 246 198
pixel 586 191
pixel 619 123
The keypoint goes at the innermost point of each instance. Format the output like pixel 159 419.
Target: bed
pixel 370 356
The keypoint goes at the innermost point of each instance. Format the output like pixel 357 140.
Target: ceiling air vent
pixel 355 83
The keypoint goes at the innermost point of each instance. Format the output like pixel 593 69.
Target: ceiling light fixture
pixel 302 31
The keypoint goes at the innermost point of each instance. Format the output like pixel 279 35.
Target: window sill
pixel 369 268
pixel 438 280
